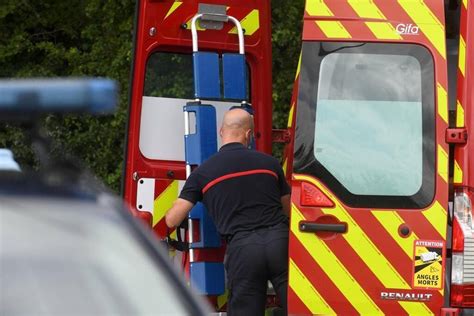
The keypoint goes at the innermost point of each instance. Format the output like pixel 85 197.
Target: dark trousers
pixel 253 258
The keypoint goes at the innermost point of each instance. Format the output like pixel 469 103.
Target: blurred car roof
pixel 68 251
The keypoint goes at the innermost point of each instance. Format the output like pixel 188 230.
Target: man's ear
pixel 220 132
pixel 248 134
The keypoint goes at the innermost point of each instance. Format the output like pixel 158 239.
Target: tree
pixel 71 38
pixel 94 38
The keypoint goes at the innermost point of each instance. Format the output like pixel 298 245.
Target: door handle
pixel 312 227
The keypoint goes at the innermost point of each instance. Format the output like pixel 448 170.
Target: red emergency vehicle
pixel 377 143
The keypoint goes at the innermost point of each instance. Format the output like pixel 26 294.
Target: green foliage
pixel 287 23
pixel 71 38
pixel 52 38
pixel 169 75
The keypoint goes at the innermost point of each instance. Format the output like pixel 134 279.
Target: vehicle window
pixel 169 75
pixel 370 112
pixel 368 132
pixel 169 84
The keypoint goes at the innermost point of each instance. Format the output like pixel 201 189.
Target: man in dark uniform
pixel 248 199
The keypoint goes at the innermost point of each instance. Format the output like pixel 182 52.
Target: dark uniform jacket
pixel 241 189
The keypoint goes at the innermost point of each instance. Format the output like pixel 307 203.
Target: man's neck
pixel 228 141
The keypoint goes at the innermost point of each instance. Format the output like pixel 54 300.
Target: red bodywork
pixel 168 18
pixel 464 175
pixel 463 179
pixel 330 273
pixel 352 273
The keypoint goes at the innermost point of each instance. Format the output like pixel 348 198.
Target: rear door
pixel 370 164
pixel 162 83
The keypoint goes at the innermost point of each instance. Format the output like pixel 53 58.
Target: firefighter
pixel 248 198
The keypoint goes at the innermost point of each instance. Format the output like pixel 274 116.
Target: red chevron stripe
pixel 436 8
pixel 317 276
pixel 442 188
pixel 424 229
pixel 295 305
pixel 355 266
pixel 463 25
pixel 311 30
pixel 385 243
pixel 389 247
pixel 394 12
pixel 362 274
pixel 357 28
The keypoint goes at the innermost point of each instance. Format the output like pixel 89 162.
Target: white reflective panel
pixel 368 131
pixel 162 126
pixel 145 194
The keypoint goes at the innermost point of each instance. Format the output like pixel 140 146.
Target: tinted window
pixel 169 75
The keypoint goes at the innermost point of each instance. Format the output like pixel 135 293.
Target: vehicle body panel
pixel 164 26
pixel 370 269
pixel 463 174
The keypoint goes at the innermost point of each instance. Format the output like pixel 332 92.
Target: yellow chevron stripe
pixel 465 3
pixel 285 164
pixel 171 251
pixel 362 245
pixel 317 8
pixel 459 115
pixel 383 30
pixel 462 55
pixel 298 68
pixel 188 23
pixel 222 299
pixel 442 163
pixel 442 102
pixel 334 269
pixel 251 23
pixel 427 22
pixel 307 293
pixel 290 116
pixel 333 29
pixel 458 174
pixel 416 308
pixel 367 9
pixel 368 252
pixel 372 257
pixel 173 8
pixel 391 221
pixel 164 201
pixel 437 216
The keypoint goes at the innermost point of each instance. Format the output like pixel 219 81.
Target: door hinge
pixel 456 136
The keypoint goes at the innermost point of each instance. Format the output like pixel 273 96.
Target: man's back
pixel 241 189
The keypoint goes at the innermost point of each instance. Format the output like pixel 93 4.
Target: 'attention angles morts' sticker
pixel 428 264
